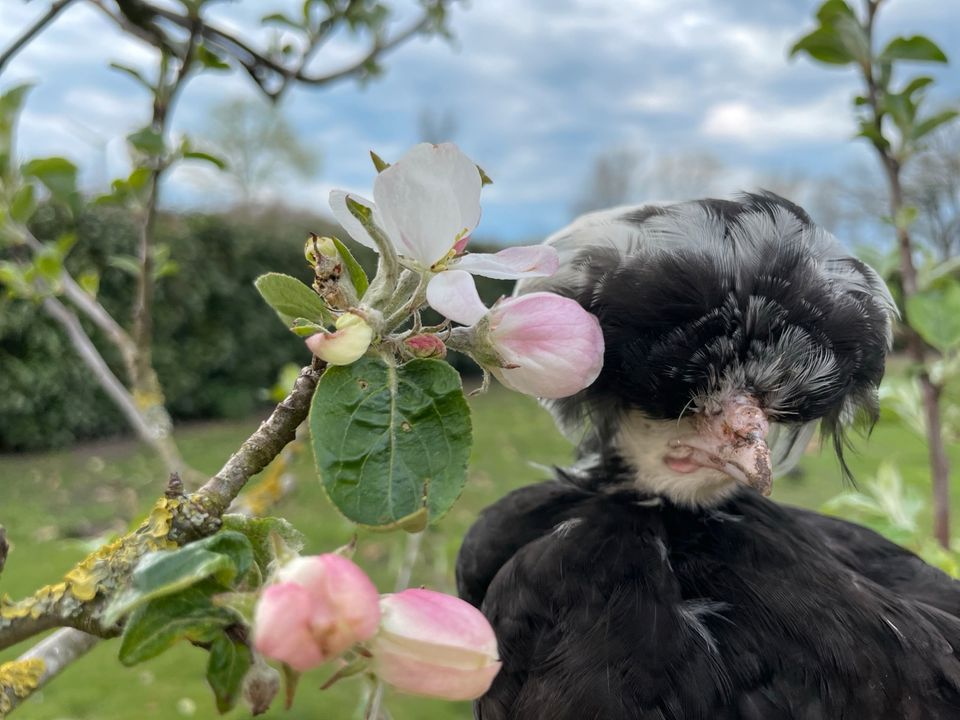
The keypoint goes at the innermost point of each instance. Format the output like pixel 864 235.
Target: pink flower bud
pixel 426 346
pixel 549 346
pixel 319 607
pixel 434 644
pixel 346 345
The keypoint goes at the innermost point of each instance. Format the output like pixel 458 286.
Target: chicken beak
pixel 733 440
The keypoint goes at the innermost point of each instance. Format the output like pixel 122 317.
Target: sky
pixel 537 90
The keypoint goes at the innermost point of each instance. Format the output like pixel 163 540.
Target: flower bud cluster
pixel 420 641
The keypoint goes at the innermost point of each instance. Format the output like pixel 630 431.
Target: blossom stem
pixel 411 552
pixel 415 301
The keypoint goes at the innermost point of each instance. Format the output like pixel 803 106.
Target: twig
pixel 55 653
pixel 31 32
pixel 79 601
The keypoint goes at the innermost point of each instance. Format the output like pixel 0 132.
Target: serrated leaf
pixel 219 162
pixel 23 204
pixel 354 271
pixel 227 666
pixel 148 141
pixel 291 299
pixel 917 48
pixel 58 174
pixel 224 557
pixel 259 531
pixel 928 125
pixel 189 614
pixel 390 441
pixel 935 314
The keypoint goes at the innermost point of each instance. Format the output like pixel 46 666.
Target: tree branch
pixel 54 654
pixel 176 519
pixel 32 31
pixel 113 387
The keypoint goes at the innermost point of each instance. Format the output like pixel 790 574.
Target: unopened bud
pixel 345 346
pixel 426 346
pixel 260 686
pixel 317 247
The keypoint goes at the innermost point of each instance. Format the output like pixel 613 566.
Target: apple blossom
pixel 434 644
pixel 346 345
pixel 320 606
pixel 428 204
pixel 540 344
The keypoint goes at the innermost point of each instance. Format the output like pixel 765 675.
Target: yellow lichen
pixel 20 677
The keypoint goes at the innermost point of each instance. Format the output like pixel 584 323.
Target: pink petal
pixel 438 619
pixel 418 675
pixel 556 345
pixel 282 629
pixel 454 295
pixel 338 204
pixel 511 263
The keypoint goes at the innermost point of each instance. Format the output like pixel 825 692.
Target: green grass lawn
pixel 57 506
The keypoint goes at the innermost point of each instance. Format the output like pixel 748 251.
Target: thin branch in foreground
pixel 31 32
pixel 41 663
pixel 176 519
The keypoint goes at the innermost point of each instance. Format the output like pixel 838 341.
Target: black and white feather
pixel 621 591
pixel 697 295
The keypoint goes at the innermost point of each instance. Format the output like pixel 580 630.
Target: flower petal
pixel 338 204
pixel 281 626
pixel 454 295
pixel 555 345
pixel 511 263
pixel 428 200
pixel 346 345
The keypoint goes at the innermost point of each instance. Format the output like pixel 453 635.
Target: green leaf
pixel 224 557
pixel 833 10
pixel 210 60
pixel 825 45
pixel 917 48
pixel 918 83
pixel 90 282
pixel 928 125
pixel 10 104
pixel 127 263
pixel 484 178
pixel 49 264
pixel 228 665
pixel 390 441
pixel 935 314
pixel 280 19
pixel 23 204
pixel 259 531
pixel 302 327
pixel 378 162
pixel 148 141
pixel 905 216
pixel 219 162
pixel 135 74
pixel 157 625
pixel 58 174
pixel 357 276
pixel 869 131
pixel 291 299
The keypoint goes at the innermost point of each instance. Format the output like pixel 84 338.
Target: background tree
pixel 893 117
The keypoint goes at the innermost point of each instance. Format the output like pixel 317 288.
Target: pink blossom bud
pixel 346 345
pixel 434 644
pixel 426 346
pixel 548 345
pixel 319 607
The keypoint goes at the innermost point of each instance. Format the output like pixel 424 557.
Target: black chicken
pixel 653 580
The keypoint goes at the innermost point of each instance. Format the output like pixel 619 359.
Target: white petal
pixel 515 262
pixel 428 199
pixel 338 204
pixel 454 295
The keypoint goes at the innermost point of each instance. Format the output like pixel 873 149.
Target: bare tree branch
pixel 121 397
pixel 31 32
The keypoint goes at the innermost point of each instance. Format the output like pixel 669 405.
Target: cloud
pixel 772 124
